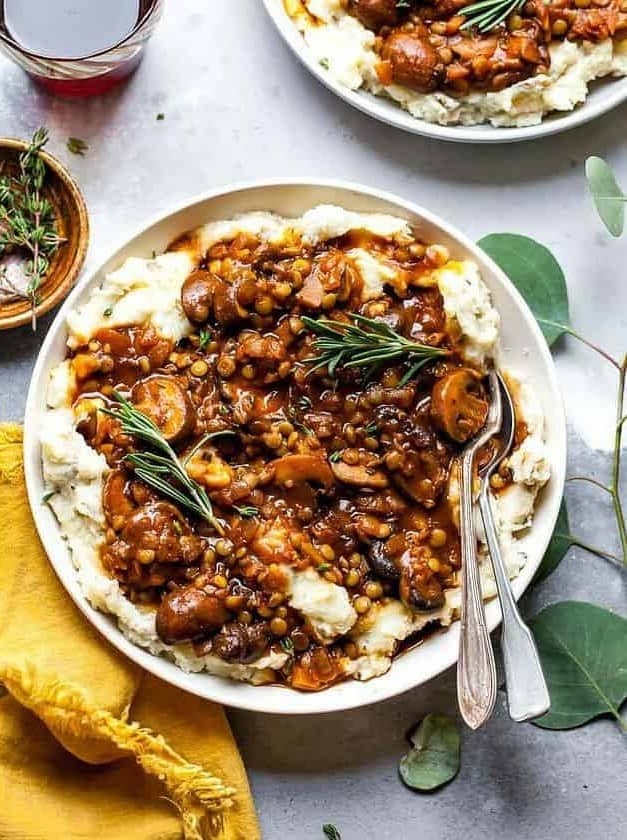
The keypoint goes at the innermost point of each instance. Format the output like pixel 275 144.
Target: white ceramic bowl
pixel 523 350
pixel 604 95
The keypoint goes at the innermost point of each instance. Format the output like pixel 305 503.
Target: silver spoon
pixel 476 668
pixel 527 693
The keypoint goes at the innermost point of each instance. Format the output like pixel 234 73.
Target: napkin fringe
pixel 198 795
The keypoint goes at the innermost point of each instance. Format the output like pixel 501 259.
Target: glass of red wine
pixel 77 47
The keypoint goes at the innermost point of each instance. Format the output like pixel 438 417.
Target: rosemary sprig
pixel 485 15
pixel 27 221
pixel 159 465
pixel 366 343
pixel 247 511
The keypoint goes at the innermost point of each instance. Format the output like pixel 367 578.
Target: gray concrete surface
pixel 237 106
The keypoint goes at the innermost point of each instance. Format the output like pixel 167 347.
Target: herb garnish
pixel 331 832
pixel 287 645
pixel 77 146
pixel 159 466
pixel 108 312
pixel 324 63
pixel 205 338
pixel 247 511
pixel 366 343
pixel 160 116
pixel 488 14
pixel 323 567
pixel 371 429
pixel 336 456
pixel 27 223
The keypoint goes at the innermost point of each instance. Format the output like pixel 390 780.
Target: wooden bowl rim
pixel 71 188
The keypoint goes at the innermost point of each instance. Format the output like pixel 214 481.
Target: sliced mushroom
pixel 419 588
pixel 380 561
pixel 197 296
pixel 241 643
pixel 414 62
pixel 168 405
pixel 376 13
pixel 294 469
pixel 359 475
pixel 160 528
pixel 458 405
pixel 312 292
pixel 189 613
pixel 116 498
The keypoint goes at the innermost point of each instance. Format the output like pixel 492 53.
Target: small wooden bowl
pixel 72 224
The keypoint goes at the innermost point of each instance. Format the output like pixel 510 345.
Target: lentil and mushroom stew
pixel 468 61
pixel 430 46
pixel 280 475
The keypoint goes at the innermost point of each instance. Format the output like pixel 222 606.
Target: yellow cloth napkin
pixel 90 745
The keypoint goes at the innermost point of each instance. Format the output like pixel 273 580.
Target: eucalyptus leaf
pixel 434 757
pixel 557 549
pixel 608 197
pixel 583 649
pixel 537 275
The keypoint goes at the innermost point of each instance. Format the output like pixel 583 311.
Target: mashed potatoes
pixel 346 48
pixel 149 290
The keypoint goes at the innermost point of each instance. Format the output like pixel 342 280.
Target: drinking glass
pixel 91 74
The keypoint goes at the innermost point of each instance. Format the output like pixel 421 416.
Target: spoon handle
pixel 527 692
pixel 476 669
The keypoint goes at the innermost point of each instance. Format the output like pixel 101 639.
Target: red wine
pixel 70 28
pixel 62 32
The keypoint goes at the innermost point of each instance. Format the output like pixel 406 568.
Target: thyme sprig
pixel 366 343
pixel 27 222
pixel 159 466
pixel 486 15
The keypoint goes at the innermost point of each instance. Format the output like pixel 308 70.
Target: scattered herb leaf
pixel 247 511
pixel 323 567
pixel 608 197
pixel 561 541
pixel 108 312
pixel 583 649
pixel 324 62
pixel 434 757
pixel 371 429
pixel 160 116
pixel 537 275
pixel 304 402
pixel 336 456
pixel 77 146
pixel 47 496
pixel 205 338
pixel 287 645
pixel 331 832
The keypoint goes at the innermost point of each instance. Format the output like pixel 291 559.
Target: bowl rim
pixel 76 197
pixel 223 690
pixel 389 112
pixel 9 41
